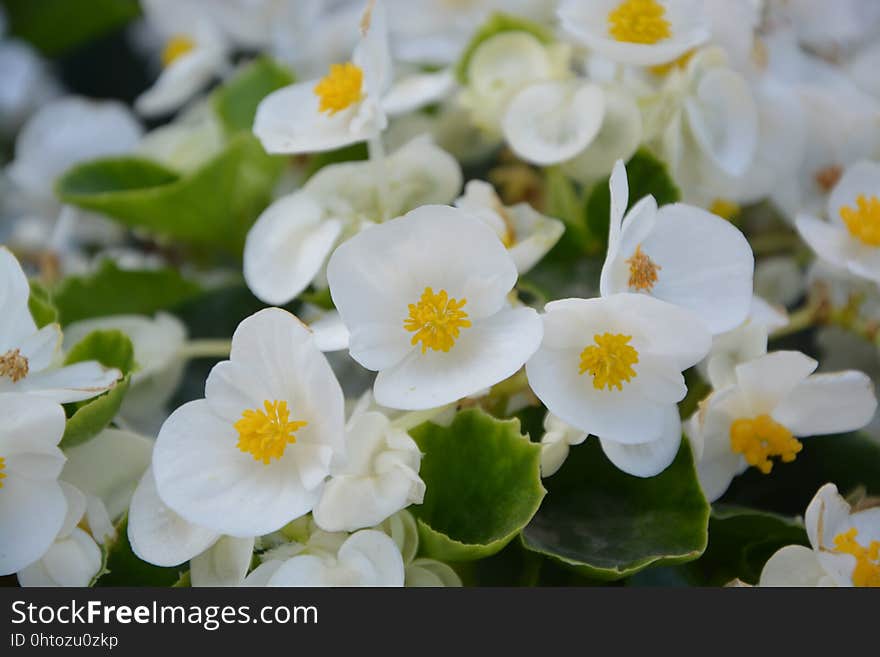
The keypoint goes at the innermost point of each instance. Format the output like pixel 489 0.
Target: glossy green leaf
pixel 483 484
pixel 55 26
pixel 124 568
pixel 214 205
pixel 496 24
pixel 88 418
pixel 236 101
pixel 40 304
pixel 740 542
pixel 607 524
pixel 110 290
pixel 646 175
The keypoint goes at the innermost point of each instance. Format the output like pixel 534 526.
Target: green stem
pixel 206 348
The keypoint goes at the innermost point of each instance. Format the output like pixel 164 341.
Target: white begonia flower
pixel 618 138
pixel 851 239
pixel 558 437
pixel 32 503
pixel 74 558
pixel 845 547
pixel 195 51
pixel 379 476
pixel 776 399
pixel 27 83
pixel 425 299
pixel 549 122
pixel 367 558
pixel 651 252
pixel 186 143
pixel 505 64
pixel 288 246
pixel 421 572
pixel 342 108
pixel 742 344
pixel 253 455
pixel 157 343
pixel 612 367
pixel 638 32
pixel 527 234
pixel 225 563
pixel 29 357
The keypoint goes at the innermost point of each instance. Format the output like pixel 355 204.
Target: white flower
pixel 342 108
pixel 288 246
pixel 549 122
pixel 851 239
pixel 425 299
pixel 366 558
pixel 502 66
pixel 188 142
pixel 639 32
pixel 74 558
pixel 29 356
pixel 157 342
pixel 612 367
pixel 527 234
pixel 32 504
pixel 27 83
pixel 253 455
pixel 776 399
pixel 845 547
pixel 558 437
pixel 379 477
pixel 652 252
pixel 195 51
pixel 422 571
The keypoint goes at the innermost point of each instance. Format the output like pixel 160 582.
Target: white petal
pixel 861 178
pixel 828 403
pixel 831 242
pixel 76 508
pixel 16 322
pixel 414 91
pixel 223 564
pixel 179 82
pixel 375 556
pixel 71 383
pixel 767 380
pixel 793 565
pixel 71 561
pixel 827 516
pixel 648 459
pixel 31 514
pixel 484 354
pixel 429 572
pixel 286 248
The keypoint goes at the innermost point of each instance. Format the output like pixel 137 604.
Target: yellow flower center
pixel 609 361
pixel 863 221
pixel 639 21
pixel 2 468
pixel 867 570
pixel 642 271
pixel 13 365
pixel 266 434
pixel 341 88
pixel 436 320
pixel 760 438
pixel 177 46
pixel 725 209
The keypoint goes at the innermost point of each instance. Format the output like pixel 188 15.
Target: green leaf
pixel 740 542
pixel 564 203
pixel 646 175
pixel 496 24
pixel 124 568
pixel 483 484
pixel 40 304
pixel 236 101
pixel 88 418
pixel 848 460
pixel 55 26
pixel 214 205
pixel 607 524
pixel 113 291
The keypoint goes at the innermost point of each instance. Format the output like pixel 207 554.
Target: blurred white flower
pixel 558 437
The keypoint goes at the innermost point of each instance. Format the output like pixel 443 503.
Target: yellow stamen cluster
pixel 176 47
pixel 437 320
pixel 13 365
pixel 610 360
pixel 341 88
pixel 265 434
pixel 639 21
pixel 725 209
pixel 2 468
pixel 642 271
pixel 863 221
pixel 867 570
pixel 760 438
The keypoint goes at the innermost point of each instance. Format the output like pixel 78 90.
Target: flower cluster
pixel 357 293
